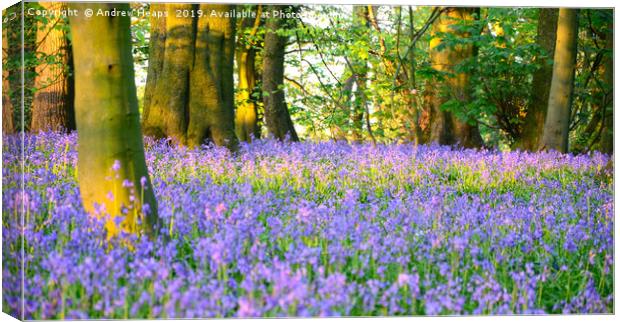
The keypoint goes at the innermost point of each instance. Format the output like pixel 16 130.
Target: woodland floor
pixel 309 229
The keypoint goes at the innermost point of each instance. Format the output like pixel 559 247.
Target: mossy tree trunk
pixel 534 121
pixel 277 117
pixel 445 127
pixel 246 115
pixel 110 148
pixel 52 105
pixel 190 87
pixel 555 135
pixel 7 105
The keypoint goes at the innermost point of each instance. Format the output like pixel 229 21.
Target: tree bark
pixel 555 136
pixel 157 51
pixel 52 105
pixel 360 16
pixel 190 95
pixel 446 128
pixel 246 115
pixel 211 107
pixel 167 88
pixel 277 117
pixel 7 105
pixel 110 147
pixel 534 121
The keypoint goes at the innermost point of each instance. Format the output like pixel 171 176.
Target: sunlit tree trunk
pixel 445 127
pixel 246 116
pixel 52 106
pixel 190 95
pixel 7 105
pixel 277 117
pixel 110 147
pixel 534 121
pixel 555 136
pixel 360 16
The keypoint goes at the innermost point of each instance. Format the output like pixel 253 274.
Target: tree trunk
pixel 211 106
pixel 52 105
pixel 607 138
pixel 534 122
pixel 167 88
pixel 342 111
pixel 246 116
pixel 189 94
pixel 157 44
pixel 277 117
pixel 360 16
pixel 110 147
pixel 7 105
pixel 555 136
pixel 445 127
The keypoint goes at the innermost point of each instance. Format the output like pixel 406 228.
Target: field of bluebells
pixel 316 229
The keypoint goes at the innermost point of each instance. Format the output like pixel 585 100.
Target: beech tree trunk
pixel 534 122
pixel 555 136
pixel 277 117
pixel 52 105
pixel 165 112
pixel 445 127
pixel 7 105
pixel 190 94
pixel 156 64
pixel 110 147
pixel 246 114
pixel 212 104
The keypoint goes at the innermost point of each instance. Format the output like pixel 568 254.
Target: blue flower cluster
pixel 314 229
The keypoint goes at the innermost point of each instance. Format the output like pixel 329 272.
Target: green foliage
pixel 501 73
pixel 592 95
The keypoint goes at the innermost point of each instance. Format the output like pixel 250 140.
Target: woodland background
pixel 469 76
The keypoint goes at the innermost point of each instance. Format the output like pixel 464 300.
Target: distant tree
pixel 20 60
pixel 555 135
pixel 534 121
pixel 445 127
pixel 110 148
pixel 190 86
pixel 52 106
pixel 360 68
pixel 7 105
pixel 277 117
